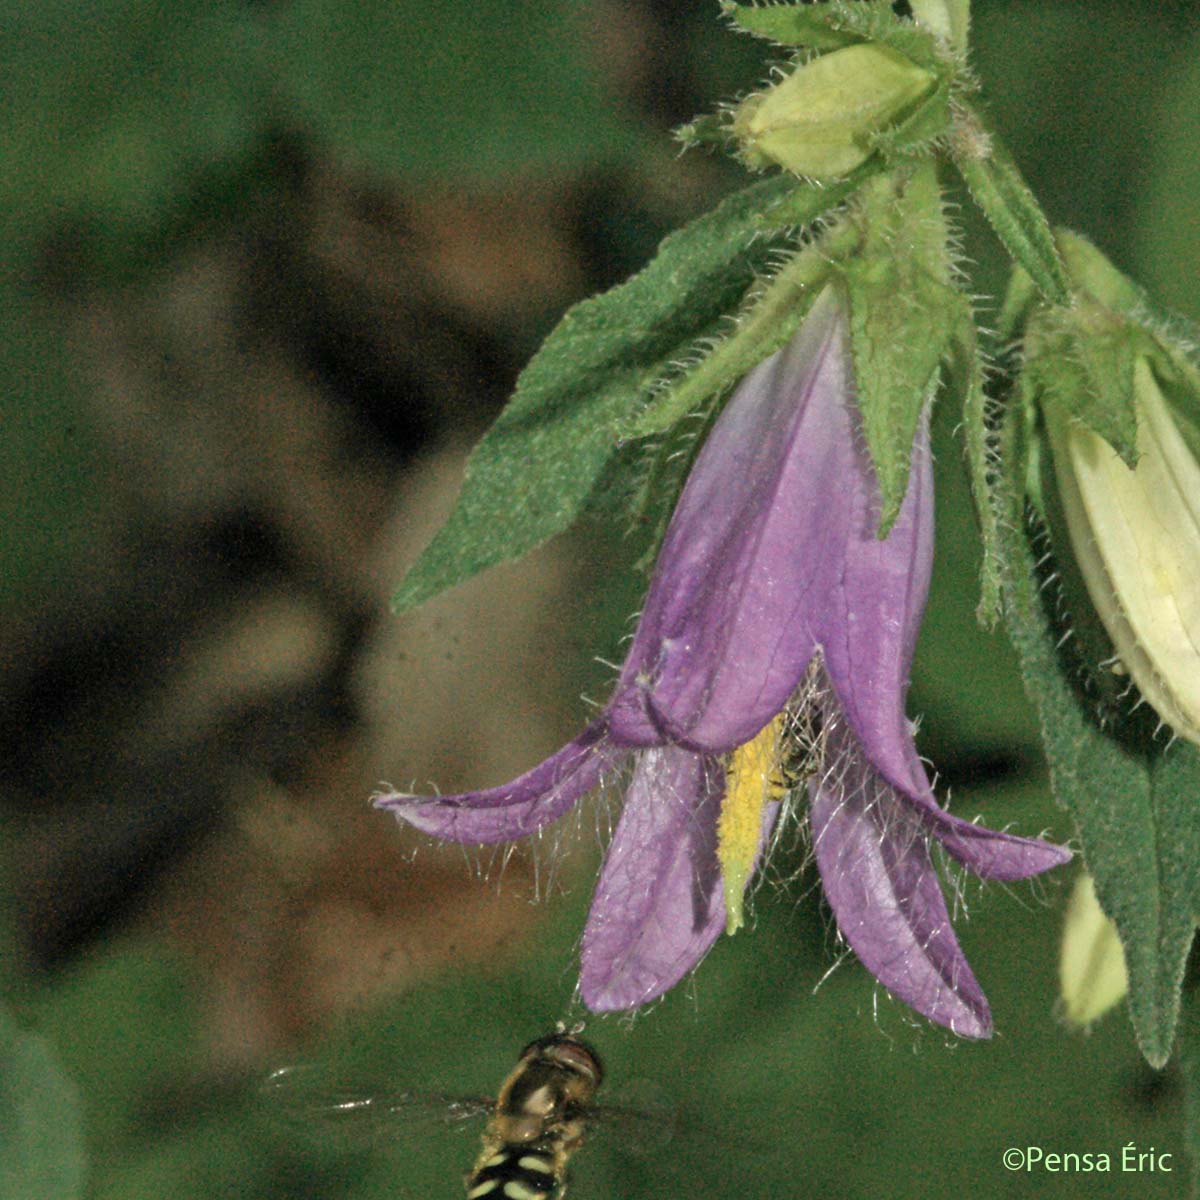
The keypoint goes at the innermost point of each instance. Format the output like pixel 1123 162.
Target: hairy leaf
pixel 534 470
pixel 1133 801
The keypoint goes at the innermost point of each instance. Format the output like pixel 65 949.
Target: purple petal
pixel 873 855
pixel 658 905
pixel 512 810
pixel 868 632
pixel 987 852
pixel 755 542
pixel 870 618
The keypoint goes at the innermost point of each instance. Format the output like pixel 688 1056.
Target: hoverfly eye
pixel 576 1056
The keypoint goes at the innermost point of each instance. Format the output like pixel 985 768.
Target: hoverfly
pixel 534 1126
pixel 539 1121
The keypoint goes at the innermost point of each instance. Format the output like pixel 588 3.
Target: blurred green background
pixel 269 268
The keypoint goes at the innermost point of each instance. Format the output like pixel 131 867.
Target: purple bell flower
pixel 773 599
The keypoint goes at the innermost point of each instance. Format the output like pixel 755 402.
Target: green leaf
pixel 997 187
pixel 1120 324
pixel 451 90
pixel 903 315
pixel 41 1140
pixel 534 470
pixel 1133 804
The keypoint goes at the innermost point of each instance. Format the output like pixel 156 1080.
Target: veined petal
pixel 873 855
pixel 868 631
pixel 725 635
pixel 870 618
pixel 516 809
pixel 658 905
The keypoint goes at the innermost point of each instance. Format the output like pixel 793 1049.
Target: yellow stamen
pixel 753 777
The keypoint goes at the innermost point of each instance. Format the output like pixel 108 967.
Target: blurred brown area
pixel 191 737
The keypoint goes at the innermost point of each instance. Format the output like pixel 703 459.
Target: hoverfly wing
pixel 305 1097
pixel 640 1122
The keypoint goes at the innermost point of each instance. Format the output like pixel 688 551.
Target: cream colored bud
pixel 1091 969
pixel 818 122
pixel 1135 534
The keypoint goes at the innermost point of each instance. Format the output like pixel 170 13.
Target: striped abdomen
pixel 517 1171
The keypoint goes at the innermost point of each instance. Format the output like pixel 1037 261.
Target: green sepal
pixel 1010 207
pixel 903 315
pixel 534 470
pixel 1080 361
pixel 656 481
pixel 807 201
pixel 1133 804
pixel 965 377
pixel 1021 299
pixel 836 24
pixel 1165 339
pixel 811 26
pixel 913 134
pixel 1091 272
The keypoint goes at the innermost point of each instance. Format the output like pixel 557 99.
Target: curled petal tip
pixel 658 906
pixel 990 854
pixel 515 809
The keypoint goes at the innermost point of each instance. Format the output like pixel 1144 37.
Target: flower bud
pixel 1091 968
pixel 819 122
pixel 1135 533
pixel 946 19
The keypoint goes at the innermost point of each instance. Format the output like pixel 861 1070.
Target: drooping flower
pixel 770 574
